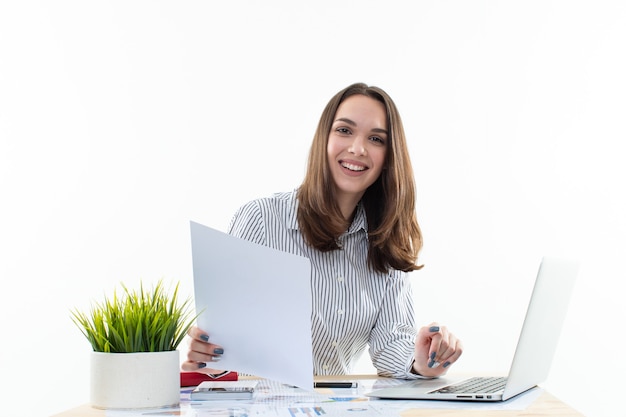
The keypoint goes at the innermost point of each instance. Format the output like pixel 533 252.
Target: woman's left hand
pixel 435 350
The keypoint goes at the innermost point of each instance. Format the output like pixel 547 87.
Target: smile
pixel 353 167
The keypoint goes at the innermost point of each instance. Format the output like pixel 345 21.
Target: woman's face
pixel 357 145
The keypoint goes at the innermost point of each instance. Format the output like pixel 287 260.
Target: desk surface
pixel 545 405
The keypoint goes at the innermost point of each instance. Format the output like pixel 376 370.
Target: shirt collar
pixel 359 222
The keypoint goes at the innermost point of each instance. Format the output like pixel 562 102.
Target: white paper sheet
pixel 255 302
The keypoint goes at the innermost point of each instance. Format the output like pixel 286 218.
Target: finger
pixel 442 344
pixel 423 343
pixel 439 343
pixel 445 353
pixel 198 334
pixel 454 353
pixel 427 332
pixel 449 351
pixel 190 366
pixel 204 352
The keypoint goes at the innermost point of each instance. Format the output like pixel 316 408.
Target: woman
pixel 354 218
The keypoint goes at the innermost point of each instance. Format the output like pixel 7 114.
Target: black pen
pixel 336 384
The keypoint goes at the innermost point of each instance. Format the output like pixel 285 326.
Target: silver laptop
pixel 533 355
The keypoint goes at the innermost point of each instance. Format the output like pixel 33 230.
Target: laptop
pixel 533 354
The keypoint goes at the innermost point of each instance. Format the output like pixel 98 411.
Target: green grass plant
pixel 137 321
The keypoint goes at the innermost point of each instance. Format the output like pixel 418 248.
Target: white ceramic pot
pixel 135 380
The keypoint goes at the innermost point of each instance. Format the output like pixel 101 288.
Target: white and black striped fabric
pixel 353 306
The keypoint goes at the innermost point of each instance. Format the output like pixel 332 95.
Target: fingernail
pixel 201 365
pixel 432 356
pixel 204 337
pixel 445 365
pixel 433 364
pixel 434 329
pixel 218 351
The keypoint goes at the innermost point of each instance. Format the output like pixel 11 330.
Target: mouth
pixel 352 167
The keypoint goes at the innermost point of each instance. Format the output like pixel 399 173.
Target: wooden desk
pixel 545 406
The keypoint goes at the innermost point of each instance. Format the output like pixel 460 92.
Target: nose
pixel 357 147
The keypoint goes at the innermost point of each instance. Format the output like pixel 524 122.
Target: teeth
pixel 352 167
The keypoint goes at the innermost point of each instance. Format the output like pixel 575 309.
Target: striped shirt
pixel 353 306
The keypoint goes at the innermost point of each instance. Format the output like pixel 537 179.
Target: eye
pixel 377 139
pixel 343 130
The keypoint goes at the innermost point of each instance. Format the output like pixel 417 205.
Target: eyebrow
pixel 353 123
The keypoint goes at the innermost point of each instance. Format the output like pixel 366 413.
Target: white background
pixel 122 121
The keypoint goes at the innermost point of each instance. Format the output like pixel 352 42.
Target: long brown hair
pixel 395 238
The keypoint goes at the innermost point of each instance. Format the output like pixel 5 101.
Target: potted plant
pixel 134 336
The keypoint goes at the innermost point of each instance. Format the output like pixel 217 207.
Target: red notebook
pixel 190 379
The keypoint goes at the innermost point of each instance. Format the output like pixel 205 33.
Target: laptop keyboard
pixel 475 385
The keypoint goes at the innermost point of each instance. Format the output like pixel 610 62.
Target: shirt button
pixel 325 367
pixel 340 279
pixel 340 312
pixel 334 344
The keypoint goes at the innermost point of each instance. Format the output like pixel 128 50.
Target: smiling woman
pixel 354 218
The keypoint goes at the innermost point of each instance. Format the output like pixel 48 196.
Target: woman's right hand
pixel 201 352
